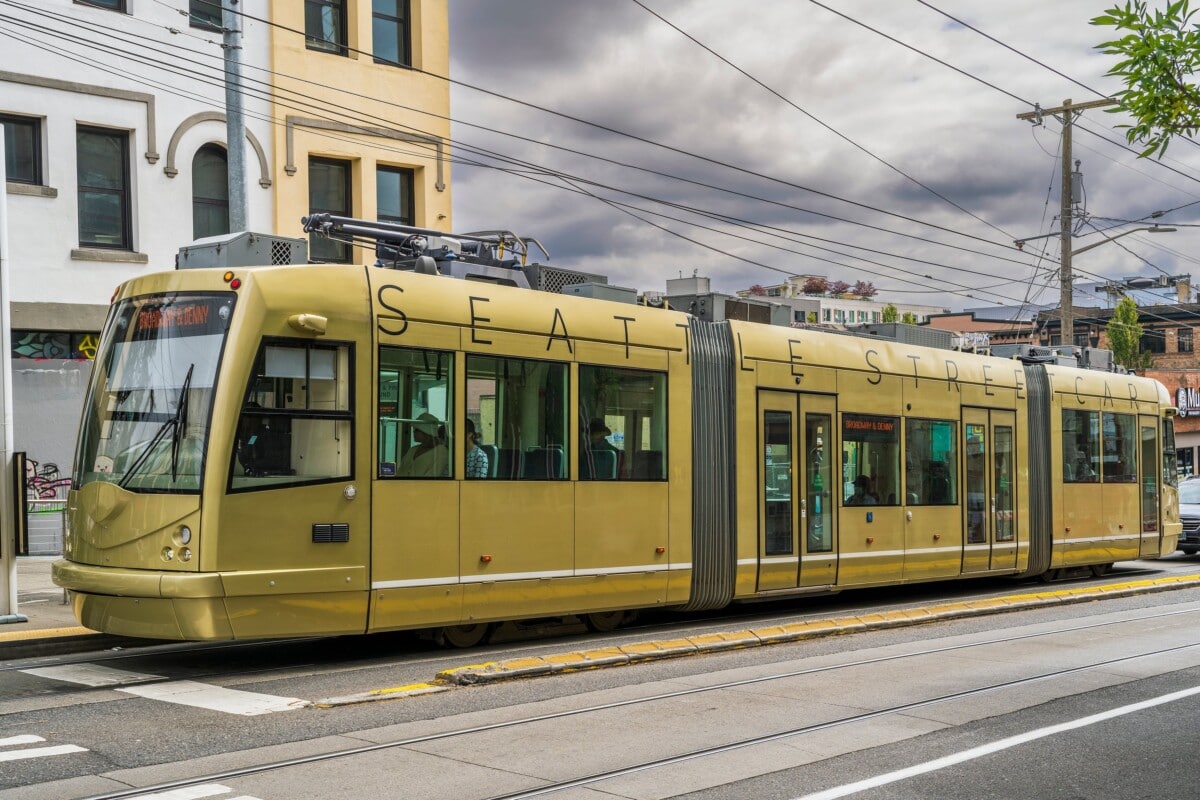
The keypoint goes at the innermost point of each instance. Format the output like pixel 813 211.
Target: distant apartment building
pixel 828 308
pixel 116 152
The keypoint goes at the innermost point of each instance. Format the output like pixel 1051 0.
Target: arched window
pixel 210 192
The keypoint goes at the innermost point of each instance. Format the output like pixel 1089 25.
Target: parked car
pixel 1189 513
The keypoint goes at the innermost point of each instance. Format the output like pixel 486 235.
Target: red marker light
pixel 236 283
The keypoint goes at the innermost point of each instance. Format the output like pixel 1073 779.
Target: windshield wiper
pixel 174 424
pixel 181 415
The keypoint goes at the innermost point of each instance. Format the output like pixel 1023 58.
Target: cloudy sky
pixel 645 139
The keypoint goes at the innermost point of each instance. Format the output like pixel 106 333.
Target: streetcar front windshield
pixel 146 418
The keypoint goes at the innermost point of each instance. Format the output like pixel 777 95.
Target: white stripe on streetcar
pixel 216 698
pixel 41 752
pixel 994 747
pixel 92 675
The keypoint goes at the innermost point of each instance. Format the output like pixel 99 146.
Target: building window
pixel 389 32
pixel 325 25
pixel 204 14
pixel 103 169
pixel 1153 341
pixel 210 192
pixel 1184 340
pixel 329 192
pixel 22 149
pixel 394 195
pixel 54 344
pixel 113 5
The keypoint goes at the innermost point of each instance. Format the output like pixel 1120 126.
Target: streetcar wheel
pixel 604 621
pixel 1188 551
pixel 1100 570
pixel 1049 576
pixel 464 635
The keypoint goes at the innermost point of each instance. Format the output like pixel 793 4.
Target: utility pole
pixel 235 118
pixel 1069 112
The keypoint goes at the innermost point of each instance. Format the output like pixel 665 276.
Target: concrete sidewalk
pixel 51 623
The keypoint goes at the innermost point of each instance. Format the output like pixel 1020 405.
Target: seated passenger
pixel 477 460
pixel 864 494
pixel 428 458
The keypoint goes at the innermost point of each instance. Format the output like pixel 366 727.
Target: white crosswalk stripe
pixel 92 675
pixel 216 698
pixel 194 793
pixel 188 693
pixel 34 752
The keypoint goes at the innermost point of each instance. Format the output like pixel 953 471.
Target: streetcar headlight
pixel 167 554
pixel 185 554
pixel 185 535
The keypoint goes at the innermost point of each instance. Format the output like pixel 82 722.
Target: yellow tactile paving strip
pixel 44 633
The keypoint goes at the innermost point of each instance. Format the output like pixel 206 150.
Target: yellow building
pixel 362 109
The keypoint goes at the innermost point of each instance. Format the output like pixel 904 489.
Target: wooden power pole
pixel 1069 112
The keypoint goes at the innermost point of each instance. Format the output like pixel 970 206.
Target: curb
pixel 536 666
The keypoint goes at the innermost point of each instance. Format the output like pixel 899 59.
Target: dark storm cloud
pixel 613 64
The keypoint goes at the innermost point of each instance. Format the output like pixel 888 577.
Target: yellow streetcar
pixel 325 449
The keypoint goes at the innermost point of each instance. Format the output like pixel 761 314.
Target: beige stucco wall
pixel 348 107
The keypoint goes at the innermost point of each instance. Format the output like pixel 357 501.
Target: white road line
pixel 994 747
pixel 216 698
pixel 41 752
pixel 92 675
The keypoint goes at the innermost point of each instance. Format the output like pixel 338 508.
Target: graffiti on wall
pixel 44 489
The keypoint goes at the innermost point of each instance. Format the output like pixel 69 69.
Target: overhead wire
pixel 947 266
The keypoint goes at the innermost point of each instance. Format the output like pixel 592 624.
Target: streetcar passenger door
pixel 989 512
pixel 779 554
pixel 1151 534
pixel 797 542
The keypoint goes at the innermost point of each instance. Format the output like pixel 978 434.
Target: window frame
pixel 1184 340
pixel 124 194
pixel 410 190
pixel 293 414
pixel 1087 440
pixel 858 431
pixel 392 470
pixel 925 498
pixel 317 243
pixel 199 20
pixel 120 6
pixel 403 27
pixel 210 202
pixel 631 464
pixel 320 45
pixel 34 125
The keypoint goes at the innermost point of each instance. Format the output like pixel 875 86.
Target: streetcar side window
pixel 296 419
pixel 931 462
pixel 870 460
pixel 1081 446
pixel 519 410
pixel 1120 448
pixel 1170 468
pixel 415 413
pixel 622 424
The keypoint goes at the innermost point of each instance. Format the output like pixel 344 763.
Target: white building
pixel 842 309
